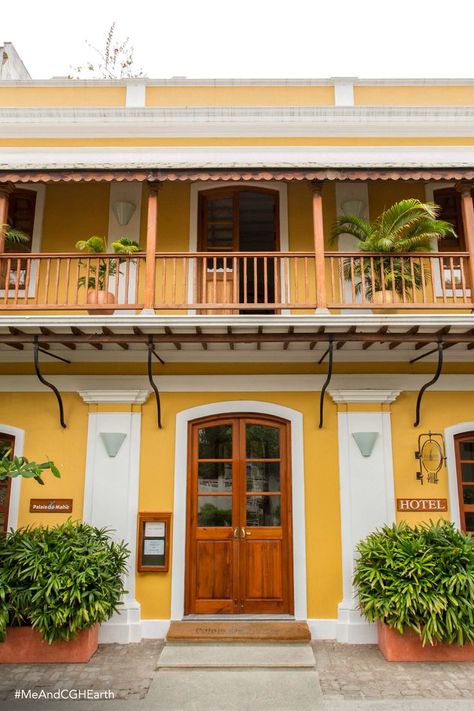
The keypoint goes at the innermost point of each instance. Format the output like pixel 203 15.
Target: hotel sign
pixel 417 505
pixel 50 505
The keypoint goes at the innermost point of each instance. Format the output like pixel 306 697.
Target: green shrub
pixel 421 578
pixel 60 579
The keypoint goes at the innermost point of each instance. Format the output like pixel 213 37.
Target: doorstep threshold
pixel 236 618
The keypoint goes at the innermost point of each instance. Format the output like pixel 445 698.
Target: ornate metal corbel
pixel 36 352
pixel 328 352
pixel 152 352
pixel 431 382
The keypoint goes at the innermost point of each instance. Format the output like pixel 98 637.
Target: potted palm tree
pixel 407 226
pixel 417 583
pixel 15 239
pixel 100 270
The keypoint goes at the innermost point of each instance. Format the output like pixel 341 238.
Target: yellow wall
pixel 384 194
pixel 37 414
pixel 74 211
pixel 414 95
pixel 239 95
pixel 62 96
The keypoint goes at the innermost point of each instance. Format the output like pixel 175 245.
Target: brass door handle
pixel 236 532
pixel 244 533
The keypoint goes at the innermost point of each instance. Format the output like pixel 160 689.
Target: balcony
pixel 234 282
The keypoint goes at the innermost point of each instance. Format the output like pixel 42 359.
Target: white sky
pixel 250 38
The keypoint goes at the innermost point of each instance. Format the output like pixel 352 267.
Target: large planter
pixel 99 298
pixel 407 647
pixel 23 645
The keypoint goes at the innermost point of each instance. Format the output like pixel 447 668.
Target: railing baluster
pixel 463 279
pixel 423 280
pixel 265 281
pixel 453 279
pixel 173 283
pixel 353 289
pixel 402 269
pixel 255 280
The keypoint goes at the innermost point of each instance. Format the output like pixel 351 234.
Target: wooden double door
pixel 239 543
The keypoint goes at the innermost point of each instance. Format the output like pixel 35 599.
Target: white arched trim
pixel 15 488
pixel 449 435
pixel 295 418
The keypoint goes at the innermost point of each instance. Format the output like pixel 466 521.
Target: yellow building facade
pixel 230 399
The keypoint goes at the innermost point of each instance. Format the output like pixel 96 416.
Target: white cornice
pixel 133 397
pixel 227 157
pixel 364 396
pixel 238 121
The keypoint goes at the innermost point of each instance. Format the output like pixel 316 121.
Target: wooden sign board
pixel 50 505
pixel 154 532
pixel 422 505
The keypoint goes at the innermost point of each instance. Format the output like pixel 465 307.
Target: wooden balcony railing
pixel 423 280
pixel 237 282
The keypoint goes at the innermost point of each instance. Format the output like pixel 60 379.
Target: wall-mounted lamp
pixel 112 442
pixel 353 207
pixel 432 455
pixel 123 211
pixel 366 442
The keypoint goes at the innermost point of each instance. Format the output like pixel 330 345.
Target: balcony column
pixel 150 268
pixel 318 236
pixel 465 189
pixel 5 191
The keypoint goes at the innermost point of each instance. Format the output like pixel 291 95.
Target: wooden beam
pixel 440 332
pixel 98 340
pixel 259 345
pixel 291 330
pixel 410 332
pixel 108 332
pixel 85 338
pixel 340 344
pixel 17 332
pixel 47 332
pixel 203 343
pixel 319 249
pixel 313 344
pixel 382 330
pixel 151 228
pixel 229 331
pixel 176 344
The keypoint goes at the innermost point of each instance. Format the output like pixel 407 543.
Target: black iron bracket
pixel 431 382
pixel 36 352
pixel 152 352
pixel 329 352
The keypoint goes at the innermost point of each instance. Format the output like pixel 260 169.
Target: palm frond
pixel 351 225
pixel 402 216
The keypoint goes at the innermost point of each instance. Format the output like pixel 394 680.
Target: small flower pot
pixel 100 297
pixel 24 645
pixel 407 647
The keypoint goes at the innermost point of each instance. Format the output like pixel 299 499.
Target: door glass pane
pixel 219 237
pixel 215 442
pixel 257 221
pixel 214 476
pixel 214 511
pixel 467 449
pixel 263 476
pixel 468 494
pixel 470 521
pixel 263 442
pixel 263 511
pixel 467 472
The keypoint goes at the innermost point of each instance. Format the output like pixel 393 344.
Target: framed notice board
pixel 154 531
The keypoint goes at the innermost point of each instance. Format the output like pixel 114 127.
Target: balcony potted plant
pixel 15 240
pixel 407 226
pixel 57 584
pixel 417 583
pixel 101 269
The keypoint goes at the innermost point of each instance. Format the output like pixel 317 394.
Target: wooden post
pixel 318 235
pixel 467 207
pixel 150 268
pixel 5 190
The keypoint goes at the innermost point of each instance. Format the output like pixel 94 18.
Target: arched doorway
pixel 239 528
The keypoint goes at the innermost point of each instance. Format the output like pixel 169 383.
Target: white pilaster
pixel 344 91
pixel 111 497
pixel 366 493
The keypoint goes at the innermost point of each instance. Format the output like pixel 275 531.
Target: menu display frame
pixel 154 533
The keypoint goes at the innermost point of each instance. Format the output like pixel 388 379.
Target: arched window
pixel 7 444
pixel 464 445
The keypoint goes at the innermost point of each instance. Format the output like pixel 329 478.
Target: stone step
pixel 239 631
pixel 236 656
pixel 228 690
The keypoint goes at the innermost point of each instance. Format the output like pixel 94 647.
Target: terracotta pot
pixel 407 647
pixel 23 645
pixel 100 297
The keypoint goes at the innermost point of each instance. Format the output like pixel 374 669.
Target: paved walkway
pixel 343 678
